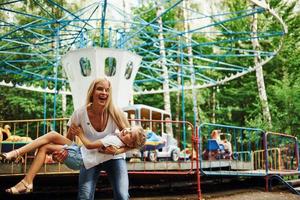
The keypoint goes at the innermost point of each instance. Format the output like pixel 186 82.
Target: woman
pixel 98 118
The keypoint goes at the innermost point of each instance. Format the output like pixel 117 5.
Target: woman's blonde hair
pixel 117 115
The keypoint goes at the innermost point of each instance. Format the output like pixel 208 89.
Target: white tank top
pixel 91 157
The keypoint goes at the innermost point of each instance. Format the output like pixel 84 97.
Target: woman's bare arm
pixel 70 135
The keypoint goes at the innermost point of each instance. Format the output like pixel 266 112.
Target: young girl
pixel 128 138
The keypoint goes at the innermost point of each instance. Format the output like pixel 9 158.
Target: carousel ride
pixel 181 45
pixel 143 47
pixel 185 40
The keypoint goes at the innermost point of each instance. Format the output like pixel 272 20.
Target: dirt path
pixel 256 195
pixel 246 194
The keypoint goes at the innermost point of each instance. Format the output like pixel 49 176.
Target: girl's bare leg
pixel 37 164
pixel 51 137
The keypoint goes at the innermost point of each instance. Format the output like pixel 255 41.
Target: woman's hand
pixel 75 130
pixel 60 156
pixel 72 131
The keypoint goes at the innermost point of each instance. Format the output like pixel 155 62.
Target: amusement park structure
pixel 31 50
pixel 159 47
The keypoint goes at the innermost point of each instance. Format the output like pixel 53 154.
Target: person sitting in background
pixel 211 154
pixel 215 134
pixel 227 147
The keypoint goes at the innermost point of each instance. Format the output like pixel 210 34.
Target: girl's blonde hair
pixel 117 115
pixel 140 138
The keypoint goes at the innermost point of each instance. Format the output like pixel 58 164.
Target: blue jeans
pixel 116 170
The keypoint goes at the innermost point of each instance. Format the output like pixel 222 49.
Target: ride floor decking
pixel 215 167
pixel 259 172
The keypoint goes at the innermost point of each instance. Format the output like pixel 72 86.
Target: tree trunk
pixel 259 74
pixel 163 61
pixel 213 105
pixel 186 7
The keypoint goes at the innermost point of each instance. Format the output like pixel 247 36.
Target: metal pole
pixel 56 74
pixel 182 96
pixel 104 5
pixel 197 141
pixel 45 107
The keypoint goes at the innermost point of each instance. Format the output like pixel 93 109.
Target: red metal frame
pixel 195 140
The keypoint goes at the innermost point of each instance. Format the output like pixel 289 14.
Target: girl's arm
pixel 86 142
pixel 89 144
pixel 113 150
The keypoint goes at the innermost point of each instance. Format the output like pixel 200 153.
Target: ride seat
pixel 213 145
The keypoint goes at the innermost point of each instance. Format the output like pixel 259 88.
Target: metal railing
pixel 24 129
pixel 22 132
pixel 254 152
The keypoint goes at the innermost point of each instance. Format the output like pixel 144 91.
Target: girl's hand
pixel 113 150
pixel 108 150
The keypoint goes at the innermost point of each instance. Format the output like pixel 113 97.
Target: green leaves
pixel 29 105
